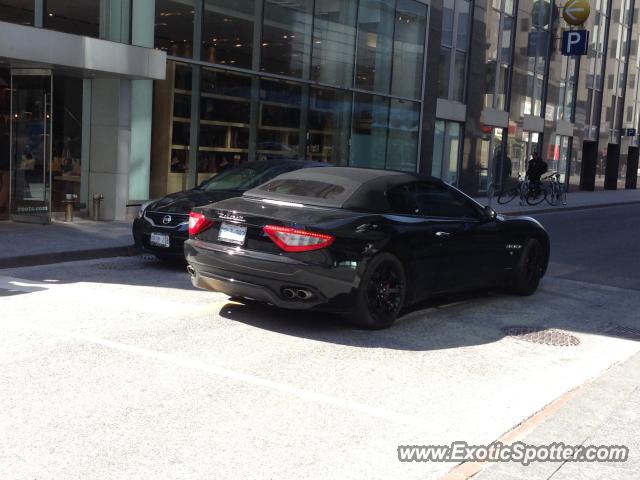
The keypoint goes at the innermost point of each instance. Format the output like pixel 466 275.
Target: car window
pixel 402 201
pixel 439 200
pixel 431 199
pixel 303 188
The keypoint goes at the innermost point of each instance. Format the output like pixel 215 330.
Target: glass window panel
pixel 17 11
pixel 462 30
pixel 80 17
pixel 375 42
pixel 369 131
pixel 227 32
pixel 225 98
pixel 181 105
pixel 183 74
pixel 408 49
pixel 334 40
pixel 286 36
pixel 459 76
pixel 329 124
pixel 507 35
pixel 438 148
pixel 447 22
pixel 174 27
pixel 444 67
pixel 279 119
pixel 404 127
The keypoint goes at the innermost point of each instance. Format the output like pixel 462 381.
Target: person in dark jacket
pixel 536 168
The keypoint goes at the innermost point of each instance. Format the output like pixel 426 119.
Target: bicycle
pixel 557 192
pixel 524 190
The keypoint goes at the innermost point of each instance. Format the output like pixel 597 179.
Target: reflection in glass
pixel 286 36
pixel 369 131
pixel 334 41
pixel 444 67
pixel 459 76
pixel 227 32
pixel 446 150
pixel 329 124
pixel 17 11
pixel 279 119
pixel 174 27
pixel 408 48
pixel 80 17
pixel 225 120
pixel 404 126
pixel 374 45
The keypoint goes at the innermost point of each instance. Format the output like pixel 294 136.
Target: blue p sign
pixel 575 42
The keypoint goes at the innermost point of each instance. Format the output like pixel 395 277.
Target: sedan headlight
pixel 143 207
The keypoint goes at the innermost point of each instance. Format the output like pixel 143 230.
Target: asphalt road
pixel 118 368
pixel 598 245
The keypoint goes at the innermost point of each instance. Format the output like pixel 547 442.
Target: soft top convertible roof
pixel 360 189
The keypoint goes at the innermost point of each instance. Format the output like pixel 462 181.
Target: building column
pixel 110 146
pixel 142 33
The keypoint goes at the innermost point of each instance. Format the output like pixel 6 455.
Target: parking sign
pixel 575 42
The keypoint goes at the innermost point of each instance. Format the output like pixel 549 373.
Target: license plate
pixel 232 233
pixel 159 239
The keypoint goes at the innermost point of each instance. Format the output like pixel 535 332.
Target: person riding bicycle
pixel 537 167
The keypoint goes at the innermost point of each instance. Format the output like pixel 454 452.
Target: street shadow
pixel 453 321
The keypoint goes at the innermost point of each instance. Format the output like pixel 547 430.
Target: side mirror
pixel 490 213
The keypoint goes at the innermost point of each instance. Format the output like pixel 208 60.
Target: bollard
pixel 95 212
pixel 69 201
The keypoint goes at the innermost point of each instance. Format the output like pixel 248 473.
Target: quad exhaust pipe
pixel 191 270
pixel 291 293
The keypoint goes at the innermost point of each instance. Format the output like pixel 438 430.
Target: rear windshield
pixel 303 188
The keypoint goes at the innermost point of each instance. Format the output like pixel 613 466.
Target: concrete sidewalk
pixel 575 200
pixel 605 411
pixel 25 244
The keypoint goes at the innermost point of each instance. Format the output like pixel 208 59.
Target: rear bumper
pixel 264 277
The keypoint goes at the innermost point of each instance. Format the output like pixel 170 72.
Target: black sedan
pixel 361 242
pixel 161 225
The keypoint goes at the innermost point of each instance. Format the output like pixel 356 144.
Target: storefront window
pixel 174 27
pixel 17 11
pixel 408 49
pixel 404 132
pixel 227 32
pixel 329 124
pixel 286 37
pixel 80 17
pixel 376 20
pixel 181 125
pixel 67 140
pixel 334 39
pixel 225 111
pixel 279 120
pixel 369 131
pixel 5 125
pixel 446 150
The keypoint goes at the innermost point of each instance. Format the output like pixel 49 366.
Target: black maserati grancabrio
pixel 360 242
pixel 161 225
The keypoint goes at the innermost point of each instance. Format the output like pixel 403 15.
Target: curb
pixel 569 209
pixel 69 256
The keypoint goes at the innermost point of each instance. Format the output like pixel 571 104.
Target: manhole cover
pixel 624 332
pixel 544 336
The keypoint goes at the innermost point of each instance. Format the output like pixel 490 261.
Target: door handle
pixel 443 234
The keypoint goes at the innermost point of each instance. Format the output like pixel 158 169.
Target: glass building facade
pixel 465 90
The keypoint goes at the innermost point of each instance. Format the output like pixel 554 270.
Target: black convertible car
pixel 161 225
pixel 361 242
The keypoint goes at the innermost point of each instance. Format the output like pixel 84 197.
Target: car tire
pixel 530 269
pixel 382 292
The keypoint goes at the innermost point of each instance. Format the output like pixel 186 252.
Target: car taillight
pixel 294 240
pixel 198 222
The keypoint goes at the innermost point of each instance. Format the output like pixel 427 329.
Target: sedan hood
pixel 184 202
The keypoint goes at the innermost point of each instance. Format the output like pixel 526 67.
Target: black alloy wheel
pixel 382 293
pixel 530 268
